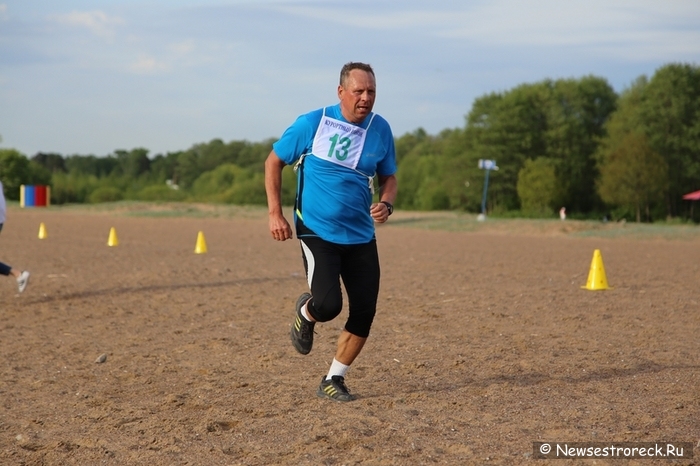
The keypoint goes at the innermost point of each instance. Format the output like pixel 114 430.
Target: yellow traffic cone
pixel 112 240
pixel 201 246
pixel 42 231
pixel 596 276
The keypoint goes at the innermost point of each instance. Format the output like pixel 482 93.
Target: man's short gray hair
pixel 353 65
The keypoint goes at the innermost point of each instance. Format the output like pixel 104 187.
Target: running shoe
pixel 302 330
pixel 335 389
pixel 23 281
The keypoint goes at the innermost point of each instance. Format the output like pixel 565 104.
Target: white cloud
pixel 370 20
pixel 542 23
pixel 97 22
pixel 182 48
pixel 148 65
pixel 635 23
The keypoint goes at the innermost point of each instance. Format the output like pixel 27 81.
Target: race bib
pixel 339 142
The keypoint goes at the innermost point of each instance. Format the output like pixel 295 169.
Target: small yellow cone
pixel 112 240
pixel 596 276
pixel 42 231
pixel 201 246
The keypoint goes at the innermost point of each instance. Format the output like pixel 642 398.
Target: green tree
pixel 91 165
pixel 406 143
pixel 72 187
pixel 670 115
pixel 14 172
pixel 538 187
pixel 212 184
pixel 633 175
pixel 201 158
pixel 249 191
pixel 133 163
pixel 187 169
pixel 105 194
pixel 561 120
pixel 51 161
pixel 232 184
pixel 577 110
pixel 16 169
pixel 163 167
pixel 508 128
pixel 432 174
pixel 253 155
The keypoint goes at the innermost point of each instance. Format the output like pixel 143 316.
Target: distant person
pixel 22 277
pixel 562 213
pixel 338 150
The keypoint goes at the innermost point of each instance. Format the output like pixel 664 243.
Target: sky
pixel 89 77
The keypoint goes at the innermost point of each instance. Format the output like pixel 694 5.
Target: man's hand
pixel 379 212
pixel 279 228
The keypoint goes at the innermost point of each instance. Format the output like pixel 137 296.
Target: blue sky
pixel 90 77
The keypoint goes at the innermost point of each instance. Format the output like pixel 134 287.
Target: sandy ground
pixel 484 343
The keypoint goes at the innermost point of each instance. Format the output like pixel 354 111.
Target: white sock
pixel 304 312
pixel 337 368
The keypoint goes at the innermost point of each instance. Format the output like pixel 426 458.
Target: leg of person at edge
pixel 337 151
pixel 21 277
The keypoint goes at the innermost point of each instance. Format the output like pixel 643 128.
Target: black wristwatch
pixel 389 207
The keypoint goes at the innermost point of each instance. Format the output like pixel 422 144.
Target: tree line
pixel 571 143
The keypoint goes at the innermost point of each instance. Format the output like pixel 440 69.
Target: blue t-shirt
pixel 333 201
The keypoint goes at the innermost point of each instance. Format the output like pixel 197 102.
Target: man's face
pixel 357 95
